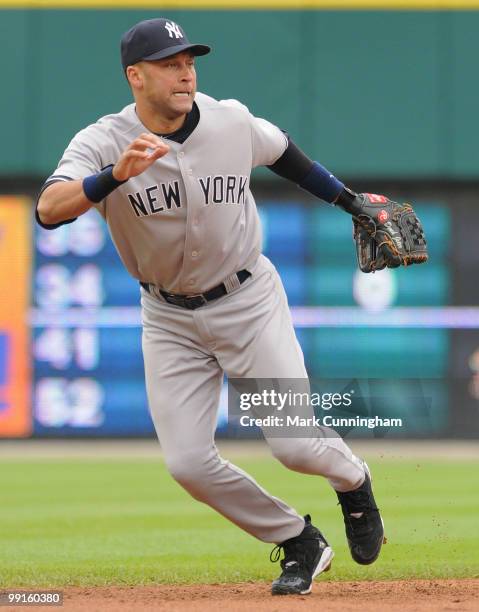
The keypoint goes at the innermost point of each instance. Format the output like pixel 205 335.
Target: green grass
pixel 127 522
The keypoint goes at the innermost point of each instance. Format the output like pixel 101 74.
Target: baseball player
pixel 170 174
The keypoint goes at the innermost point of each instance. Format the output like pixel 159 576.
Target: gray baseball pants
pixel 246 334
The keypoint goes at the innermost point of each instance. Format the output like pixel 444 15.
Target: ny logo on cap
pixel 173 29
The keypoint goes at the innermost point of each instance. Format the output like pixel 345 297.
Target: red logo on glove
pixel 376 199
pixel 383 216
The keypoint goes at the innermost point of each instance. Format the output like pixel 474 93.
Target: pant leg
pixel 257 340
pixel 183 381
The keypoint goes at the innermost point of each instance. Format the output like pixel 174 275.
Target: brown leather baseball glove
pixel 386 233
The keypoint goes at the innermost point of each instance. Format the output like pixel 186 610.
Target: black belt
pixel 191 302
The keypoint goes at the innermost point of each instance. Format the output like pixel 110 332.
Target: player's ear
pixel 135 76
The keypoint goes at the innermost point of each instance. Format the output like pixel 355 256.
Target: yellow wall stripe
pixel 245 4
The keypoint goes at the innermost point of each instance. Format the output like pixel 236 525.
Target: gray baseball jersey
pixel 190 220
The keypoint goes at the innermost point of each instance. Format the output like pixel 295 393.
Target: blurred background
pixel 383 94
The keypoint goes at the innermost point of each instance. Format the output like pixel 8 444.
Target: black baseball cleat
pixel 364 525
pixel 305 557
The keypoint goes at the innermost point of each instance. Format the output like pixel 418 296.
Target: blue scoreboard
pixel 86 338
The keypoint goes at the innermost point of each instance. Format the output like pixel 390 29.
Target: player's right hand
pixel 139 155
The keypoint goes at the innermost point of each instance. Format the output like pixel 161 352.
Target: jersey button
pixel 181 154
pixel 194 253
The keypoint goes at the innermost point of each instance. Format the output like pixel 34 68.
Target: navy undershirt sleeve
pixel 51 226
pixel 296 166
pixel 293 165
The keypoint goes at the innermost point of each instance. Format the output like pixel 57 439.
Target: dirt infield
pixel 387 596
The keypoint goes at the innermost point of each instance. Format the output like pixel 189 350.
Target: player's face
pixel 169 85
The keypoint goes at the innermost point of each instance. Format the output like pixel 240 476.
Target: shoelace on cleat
pixel 356 501
pixel 293 551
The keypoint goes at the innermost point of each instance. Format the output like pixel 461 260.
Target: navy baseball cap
pixel 155 39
